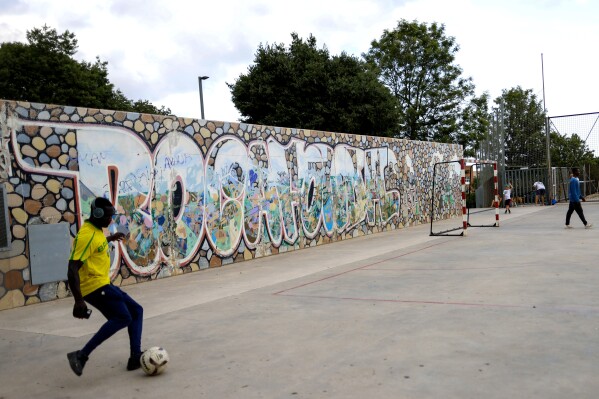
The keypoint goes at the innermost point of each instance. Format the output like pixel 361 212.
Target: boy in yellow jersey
pixel 89 281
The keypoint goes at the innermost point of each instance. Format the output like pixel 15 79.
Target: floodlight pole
pixel 547 138
pixel 200 78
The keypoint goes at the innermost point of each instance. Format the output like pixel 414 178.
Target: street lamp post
pixel 200 78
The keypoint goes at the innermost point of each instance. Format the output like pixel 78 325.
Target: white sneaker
pixel 588 226
pixel 568 227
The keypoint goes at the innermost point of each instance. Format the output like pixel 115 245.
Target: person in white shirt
pixel 507 198
pixel 540 192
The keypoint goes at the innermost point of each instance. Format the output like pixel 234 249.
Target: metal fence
pixel 533 162
pixel 522 181
pixel 555 181
pixel 588 185
pixel 586 127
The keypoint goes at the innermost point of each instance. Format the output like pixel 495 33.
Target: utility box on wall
pixel 49 250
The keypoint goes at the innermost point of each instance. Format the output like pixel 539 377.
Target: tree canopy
pixel 304 86
pixel 570 151
pixel 44 70
pixel 524 127
pixel 474 124
pixel 416 62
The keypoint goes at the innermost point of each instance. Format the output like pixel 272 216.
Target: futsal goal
pixel 472 183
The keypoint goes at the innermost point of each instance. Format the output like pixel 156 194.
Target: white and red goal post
pixel 446 186
pixel 448 199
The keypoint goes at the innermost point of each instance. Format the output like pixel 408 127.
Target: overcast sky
pixel 157 49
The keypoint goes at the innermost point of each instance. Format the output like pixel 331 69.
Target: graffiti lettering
pixel 180 159
pixel 173 199
pixel 237 189
pixel 91 158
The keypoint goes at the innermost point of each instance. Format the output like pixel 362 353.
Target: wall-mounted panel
pixel 49 249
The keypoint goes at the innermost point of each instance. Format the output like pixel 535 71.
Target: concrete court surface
pixel 508 312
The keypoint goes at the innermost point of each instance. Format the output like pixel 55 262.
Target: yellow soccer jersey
pixel 90 247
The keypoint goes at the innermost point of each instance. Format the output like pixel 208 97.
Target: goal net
pixel 448 199
pixel 466 189
pixel 482 194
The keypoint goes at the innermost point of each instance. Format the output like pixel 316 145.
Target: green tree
pixel 570 151
pixel 524 128
pixel 44 71
pixel 416 62
pixel 304 86
pixel 474 124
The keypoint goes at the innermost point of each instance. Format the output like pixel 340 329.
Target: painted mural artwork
pixel 191 195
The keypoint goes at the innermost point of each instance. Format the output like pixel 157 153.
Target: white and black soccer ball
pixel 154 360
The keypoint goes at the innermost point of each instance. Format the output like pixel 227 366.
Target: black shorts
pixel 541 192
pixel 507 202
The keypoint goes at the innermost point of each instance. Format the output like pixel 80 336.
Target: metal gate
pixel 522 181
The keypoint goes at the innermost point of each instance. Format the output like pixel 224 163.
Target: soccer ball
pixel 154 360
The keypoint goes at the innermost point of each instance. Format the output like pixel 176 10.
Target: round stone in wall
pixel 14 200
pixel 53 185
pixel 38 143
pixel 32 206
pixel 61 290
pixel 30 290
pixel 20 215
pixel 28 151
pixel 53 140
pixel 23 139
pixel 19 231
pixel 71 139
pixel 38 191
pixel 53 151
pixel 13 280
pixel 50 215
pixel 49 199
pixel 48 291
pixel 11 299
pixel 67 193
pixel 46 131
pixel 61 205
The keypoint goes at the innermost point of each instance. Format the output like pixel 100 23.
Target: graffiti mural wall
pixel 193 194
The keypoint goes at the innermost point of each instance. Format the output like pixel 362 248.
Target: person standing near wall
pixel 539 192
pixel 575 197
pixel 89 281
pixel 507 198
